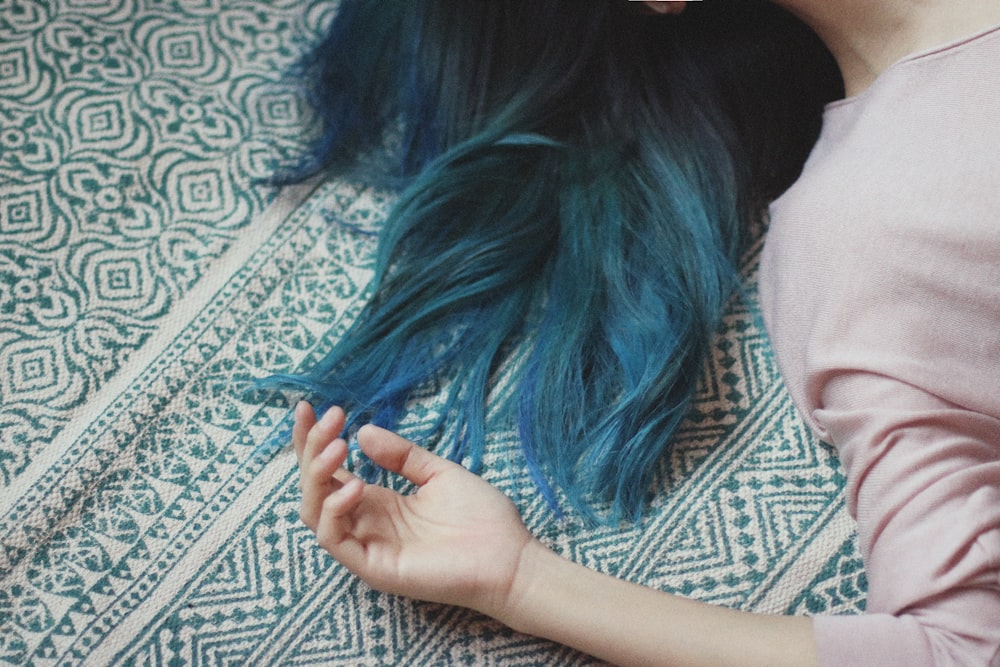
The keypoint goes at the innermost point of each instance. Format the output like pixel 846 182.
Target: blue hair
pixel 575 183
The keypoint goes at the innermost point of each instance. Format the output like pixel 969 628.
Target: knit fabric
pixel 881 288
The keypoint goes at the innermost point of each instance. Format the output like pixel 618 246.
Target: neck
pixel 867 36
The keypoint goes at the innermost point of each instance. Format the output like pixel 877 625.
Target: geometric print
pixel 150 508
pixel 839 588
pixel 132 138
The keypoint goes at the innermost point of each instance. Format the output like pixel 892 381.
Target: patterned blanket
pixel 146 516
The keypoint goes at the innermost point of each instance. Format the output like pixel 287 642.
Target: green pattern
pixel 145 277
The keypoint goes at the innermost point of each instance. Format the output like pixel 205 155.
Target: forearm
pixel 460 541
pixel 628 624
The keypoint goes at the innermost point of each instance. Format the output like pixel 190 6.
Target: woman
pixel 881 290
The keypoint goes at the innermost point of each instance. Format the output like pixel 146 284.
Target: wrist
pixel 536 564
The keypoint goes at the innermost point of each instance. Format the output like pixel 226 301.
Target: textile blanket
pixel 146 276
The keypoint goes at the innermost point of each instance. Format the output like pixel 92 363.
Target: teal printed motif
pixel 131 137
pixel 145 278
pixel 839 588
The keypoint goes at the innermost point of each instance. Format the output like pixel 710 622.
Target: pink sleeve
pixel 925 483
pixel 880 283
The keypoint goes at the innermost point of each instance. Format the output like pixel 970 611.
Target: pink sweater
pixel 881 290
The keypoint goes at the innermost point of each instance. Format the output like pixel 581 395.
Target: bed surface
pixel 146 277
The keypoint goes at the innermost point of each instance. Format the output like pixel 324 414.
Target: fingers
pixel 399 455
pixel 334 531
pixel 320 453
pixel 305 419
pixel 320 478
pixel 311 436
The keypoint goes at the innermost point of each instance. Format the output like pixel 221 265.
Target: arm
pixel 460 541
pixel 924 482
pixel 628 624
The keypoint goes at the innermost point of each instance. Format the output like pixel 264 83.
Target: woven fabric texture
pixel 145 277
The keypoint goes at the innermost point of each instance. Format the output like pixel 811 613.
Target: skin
pixel 459 541
pixel 866 37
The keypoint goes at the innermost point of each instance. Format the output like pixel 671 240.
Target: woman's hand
pixel 456 540
pixel 459 541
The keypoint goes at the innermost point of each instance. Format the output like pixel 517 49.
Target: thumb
pixel 399 455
